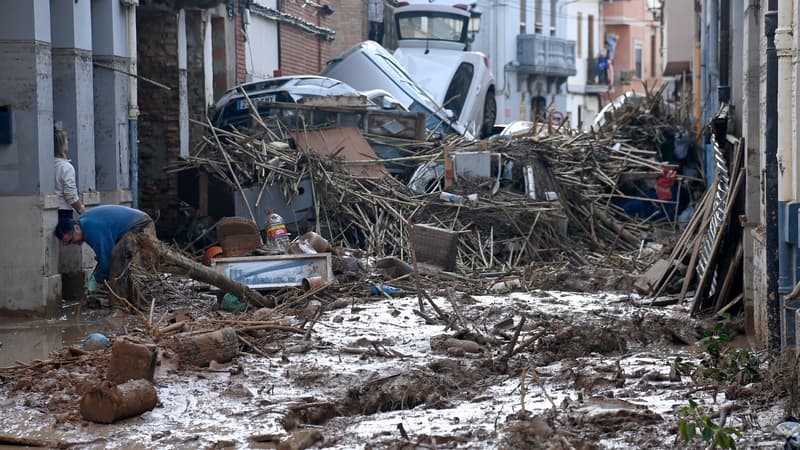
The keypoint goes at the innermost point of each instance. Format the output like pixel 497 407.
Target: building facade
pixel 635 26
pixel 530 56
pixel 62 61
pixel 583 24
pixel 132 82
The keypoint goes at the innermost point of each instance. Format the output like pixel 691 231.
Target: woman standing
pixel 66 188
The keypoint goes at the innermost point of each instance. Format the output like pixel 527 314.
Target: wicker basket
pixel 239 245
pixel 237 236
pixel 434 245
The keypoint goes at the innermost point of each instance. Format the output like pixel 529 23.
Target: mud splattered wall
pixel 303 52
pixel 159 131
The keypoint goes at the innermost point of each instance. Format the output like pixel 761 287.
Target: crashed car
pixel 433 39
pixel 269 97
pixel 233 109
pixel 367 66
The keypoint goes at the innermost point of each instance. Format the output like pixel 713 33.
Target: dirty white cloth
pixel 66 187
pixel 375 10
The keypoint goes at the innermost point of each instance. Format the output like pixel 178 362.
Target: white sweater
pixel 66 188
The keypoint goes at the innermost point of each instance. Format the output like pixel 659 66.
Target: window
pixel 458 90
pixel 652 55
pixel 538 7
pixel 553 17
pixel 590 35
pixel 433 26
pixel 522 21
pixel 637 55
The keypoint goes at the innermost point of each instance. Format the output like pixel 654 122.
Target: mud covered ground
pixel 542 369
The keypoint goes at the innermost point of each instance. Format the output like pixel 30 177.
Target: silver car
pixel 233 109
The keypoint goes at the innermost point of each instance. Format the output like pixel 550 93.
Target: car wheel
pixel 489 114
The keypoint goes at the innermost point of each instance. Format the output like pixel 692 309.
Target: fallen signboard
pixel 275 272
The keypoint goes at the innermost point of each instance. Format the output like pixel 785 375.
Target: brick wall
pixel 350 23
pixel 241 61
pixel 302 52
pixel 159 138
pixel 220 81
pixel 158 123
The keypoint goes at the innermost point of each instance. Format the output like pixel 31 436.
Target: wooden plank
pixel 343 143
pixel 733 269
pixel 689 235
pixel 698 241
pixel 647 281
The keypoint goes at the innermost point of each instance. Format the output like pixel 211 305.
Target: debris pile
pixel 548 197
pixel 708 255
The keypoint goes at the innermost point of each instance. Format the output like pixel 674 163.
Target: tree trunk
pixel 200 349
pixel 144 250
pixel 106 403
pixel 131 361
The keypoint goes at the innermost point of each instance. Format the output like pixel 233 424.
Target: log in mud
pixel 107 403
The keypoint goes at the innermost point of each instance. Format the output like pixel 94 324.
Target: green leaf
pixel 708 434
pixel 691 432
pixel 683 431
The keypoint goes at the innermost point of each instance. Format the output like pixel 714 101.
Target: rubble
pixel 577 183
pixel 428 325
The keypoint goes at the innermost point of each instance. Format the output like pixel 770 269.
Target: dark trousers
pixel 376 32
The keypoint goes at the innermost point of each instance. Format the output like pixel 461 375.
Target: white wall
pixel 576 85
pixel 498 40
pixel 261 48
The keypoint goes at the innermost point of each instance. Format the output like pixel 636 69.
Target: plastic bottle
pixel 277 236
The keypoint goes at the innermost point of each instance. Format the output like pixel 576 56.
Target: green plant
pixel 696 423
pixel 719 363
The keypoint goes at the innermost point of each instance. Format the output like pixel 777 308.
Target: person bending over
pixel 101 228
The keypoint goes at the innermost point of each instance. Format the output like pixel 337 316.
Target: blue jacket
pixel 103 227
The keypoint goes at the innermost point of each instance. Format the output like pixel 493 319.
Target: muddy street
pixel 539 369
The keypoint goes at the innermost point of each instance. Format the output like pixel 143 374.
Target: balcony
pixel 545 55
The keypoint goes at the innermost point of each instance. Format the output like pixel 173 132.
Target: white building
pixel 581 22
pixel 531 56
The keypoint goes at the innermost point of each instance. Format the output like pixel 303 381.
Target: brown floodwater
pixel 28 339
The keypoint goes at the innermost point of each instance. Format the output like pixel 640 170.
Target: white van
pixel 433 40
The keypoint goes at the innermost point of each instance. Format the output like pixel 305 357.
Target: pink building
pixel 636 24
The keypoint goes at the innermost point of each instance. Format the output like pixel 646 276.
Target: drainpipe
pixel 783 50
pixel 724 87
pixel 711 41
pixel 278 6
pixel 133 104
pixel 771 183
pixel 698 61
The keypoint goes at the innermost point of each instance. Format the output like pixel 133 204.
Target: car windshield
pixel 433 26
